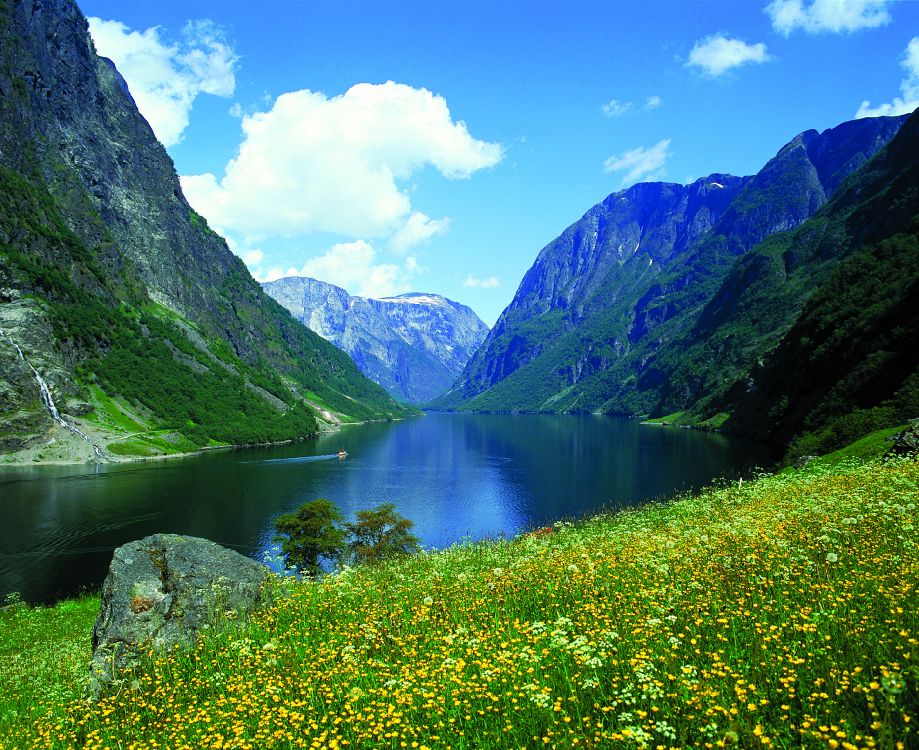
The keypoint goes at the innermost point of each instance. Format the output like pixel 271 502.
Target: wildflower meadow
pixel 781 613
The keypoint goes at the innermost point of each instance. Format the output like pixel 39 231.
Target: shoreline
pixel 74 452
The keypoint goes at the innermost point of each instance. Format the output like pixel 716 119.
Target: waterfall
pixel 48 401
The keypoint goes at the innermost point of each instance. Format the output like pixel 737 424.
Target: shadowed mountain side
pixel 115 289
pixel 603 301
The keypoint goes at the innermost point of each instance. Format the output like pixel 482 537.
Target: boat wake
pixel 294 459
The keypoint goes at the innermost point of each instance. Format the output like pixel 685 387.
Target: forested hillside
pixel 138 317
pixel 679 333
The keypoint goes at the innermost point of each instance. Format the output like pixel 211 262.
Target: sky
pixel 438 146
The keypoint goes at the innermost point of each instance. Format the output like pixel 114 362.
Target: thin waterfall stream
pixel 48 401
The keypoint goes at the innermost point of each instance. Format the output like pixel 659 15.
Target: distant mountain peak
pixel 413 344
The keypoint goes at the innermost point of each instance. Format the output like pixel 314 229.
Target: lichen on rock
pixel 160 592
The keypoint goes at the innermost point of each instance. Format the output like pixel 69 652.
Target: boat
pixel 342 453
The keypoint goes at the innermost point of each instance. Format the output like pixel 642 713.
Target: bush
pixel 312 533
pixel 316 532
pixel 381 533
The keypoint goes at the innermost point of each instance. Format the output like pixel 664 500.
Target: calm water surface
pixel 455 476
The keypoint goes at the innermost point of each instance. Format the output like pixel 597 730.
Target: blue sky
pixel 438 146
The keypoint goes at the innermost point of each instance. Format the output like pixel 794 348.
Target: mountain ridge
pixel 117 291
pixel 413 344
pixel 592 359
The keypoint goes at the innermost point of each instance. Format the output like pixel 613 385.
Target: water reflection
pixel 455 476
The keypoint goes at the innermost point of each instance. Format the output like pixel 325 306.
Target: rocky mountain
pixel 114 293
pixel 849 363
pixel 414 345
pixel 607 317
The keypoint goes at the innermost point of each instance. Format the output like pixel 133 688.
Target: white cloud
pixel 615 108
pixel 316 163
pixel 653 102
pixel 640 164
pixel 253 258
pixel 487 283
pixel 717 54
pixel 354 267
pixel 416 231
pixel 165 79
pixel 909 88
pixel 834 16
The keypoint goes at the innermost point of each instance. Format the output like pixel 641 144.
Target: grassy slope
pixel 130 350
pixel 234 366
pixel 782 612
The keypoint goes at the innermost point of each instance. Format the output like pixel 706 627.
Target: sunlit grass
pixel 777 613
pixel 43 659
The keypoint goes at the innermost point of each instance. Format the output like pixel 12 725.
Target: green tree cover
pixel 315 531
pixel 379 534
pixel 310 534
pixel 702 328
pixel 767 289
pixel 116 337
pixel 125 346
pixel 69 242
pixel 849 364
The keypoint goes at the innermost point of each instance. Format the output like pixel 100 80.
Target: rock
pixel 160 591
pixel 634 269
pixel 414 345
pixel 907 441
pixel 803 461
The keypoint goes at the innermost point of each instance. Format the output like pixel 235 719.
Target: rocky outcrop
pixel 160 591
pixel 414 345
pixel 906 442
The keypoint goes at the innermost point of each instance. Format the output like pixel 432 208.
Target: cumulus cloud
pixel 615 108
pixel 416 231
pixel 653 102
pixel 909 88
pixel 253 258
pixel 315 163
pixel 354 266
pixel 717 54
pixel 640 164
pixel 166 78
pixel 833 16
pixel 489 282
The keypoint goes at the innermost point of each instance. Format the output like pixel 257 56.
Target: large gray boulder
pixel 160 591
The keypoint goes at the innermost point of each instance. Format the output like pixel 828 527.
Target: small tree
pixel 310 534
pixel 380 533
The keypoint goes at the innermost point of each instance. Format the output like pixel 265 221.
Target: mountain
pixel 849 363
pixel 414 345
pixel 132 312
pixel 615 315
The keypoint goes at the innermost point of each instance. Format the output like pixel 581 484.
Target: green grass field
pixel 782 612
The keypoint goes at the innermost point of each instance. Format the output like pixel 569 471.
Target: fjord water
pixel 457 476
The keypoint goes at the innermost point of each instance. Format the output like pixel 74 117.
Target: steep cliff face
pixel 99 247
pixel 849 363
pixel 606 298
pixel 414 345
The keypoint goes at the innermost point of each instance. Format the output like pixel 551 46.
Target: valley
pixel 666 500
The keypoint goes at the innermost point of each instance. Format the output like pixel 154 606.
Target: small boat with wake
pixel 342 453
